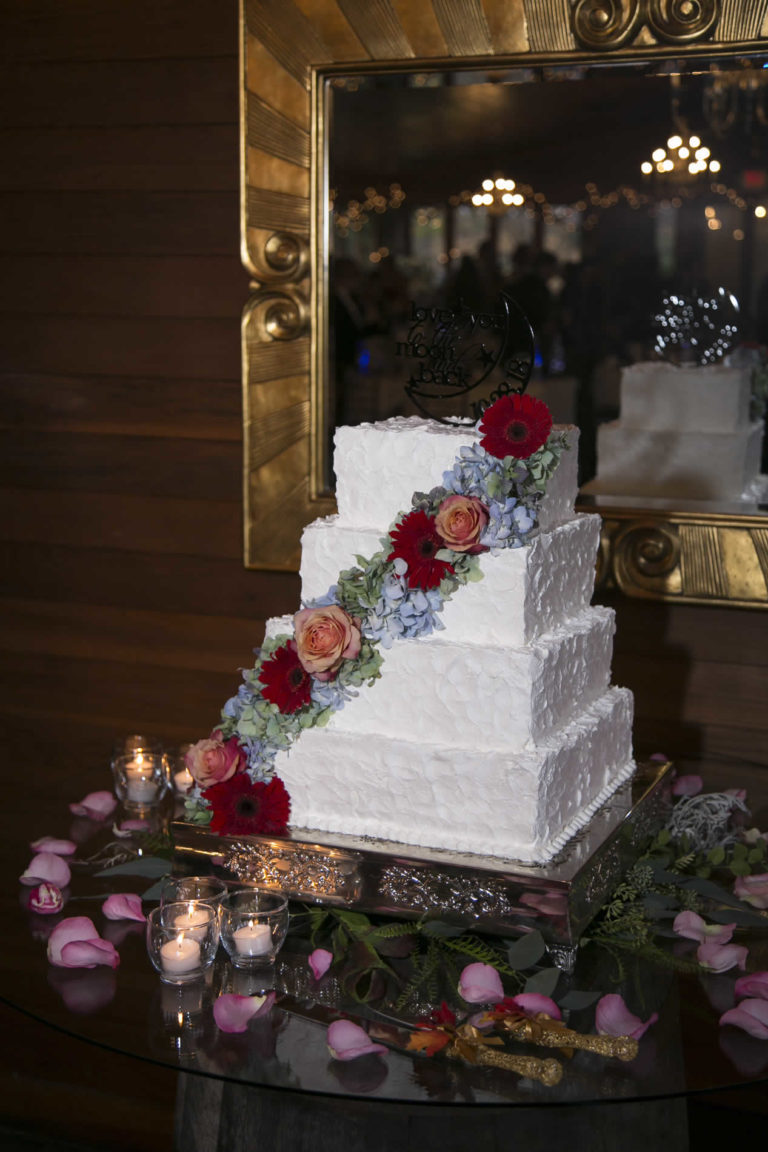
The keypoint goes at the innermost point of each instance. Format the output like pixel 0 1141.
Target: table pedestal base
pixel 217 1116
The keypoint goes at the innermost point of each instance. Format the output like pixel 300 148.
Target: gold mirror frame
pixel 288 48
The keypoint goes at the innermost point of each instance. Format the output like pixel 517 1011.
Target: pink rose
pixel 325 637
pixel 46 899
pixel 752 889
pixel 460 522
pixel 214 761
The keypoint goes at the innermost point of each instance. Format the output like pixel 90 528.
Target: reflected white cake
pixel 682 433
pixel 499 735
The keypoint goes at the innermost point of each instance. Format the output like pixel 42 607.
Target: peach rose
pixel 325 637
pixel 213 761
pixel 460 522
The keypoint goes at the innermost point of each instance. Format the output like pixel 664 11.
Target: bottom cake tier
pixel 523 806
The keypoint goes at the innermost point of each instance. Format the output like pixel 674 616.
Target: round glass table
pixel 278 1081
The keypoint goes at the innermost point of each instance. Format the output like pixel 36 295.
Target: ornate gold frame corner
pixel 287 49
pixel 684 557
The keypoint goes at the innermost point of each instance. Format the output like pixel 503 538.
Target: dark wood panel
pixel 129 697
pixel 206 585
pixel 127 346
pixel 185 286
pixel 103 1099
pixel 119 30
pixel 132 523
pixel 696 742
pixel 149 223
pixel 200 409
pixel 118 92
pixel 197 158
pixel 697 692
pixel 168 640
pixel 732 635
pixel 132 465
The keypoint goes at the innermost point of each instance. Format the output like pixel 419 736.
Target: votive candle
pixel 253 939
pixel 180 955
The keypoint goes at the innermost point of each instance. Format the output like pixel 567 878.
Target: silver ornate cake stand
pixel 486 893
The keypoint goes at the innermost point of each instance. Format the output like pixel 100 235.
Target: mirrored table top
pixel 129 1010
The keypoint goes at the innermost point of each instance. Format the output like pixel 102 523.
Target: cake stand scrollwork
pixel 298 870
pixel 646 559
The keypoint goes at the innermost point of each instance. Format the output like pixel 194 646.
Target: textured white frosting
pixel 498 735
pixel 524 591
pixel 380 466
pixel 713 398
pixel 519 806
pixel 437 691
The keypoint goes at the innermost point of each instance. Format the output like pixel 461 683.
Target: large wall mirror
pixel 396 152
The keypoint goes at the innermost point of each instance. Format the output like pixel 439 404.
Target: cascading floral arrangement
pixel 487 502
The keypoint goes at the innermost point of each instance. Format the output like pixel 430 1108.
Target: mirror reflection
pixel 588 194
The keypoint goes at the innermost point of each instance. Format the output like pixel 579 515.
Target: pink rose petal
pixel 754 984
pixel 232 1012
pixel 751 1015
pixel 693 927
pixel 46 866
pixel 687 786
pixel 88 953
pixel 613 1018
pixel 752 889
pixel 716 957
pixel 52 844
pixel 46 899
pixel 123 906
pixel 320 961
pixel 347 1041
pixel 75 943
pixel 532 1003
pixel 96 806
pixel 480 984
pixel 73 928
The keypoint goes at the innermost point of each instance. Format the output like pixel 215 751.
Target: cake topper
pixel 453 352
pixel 696 329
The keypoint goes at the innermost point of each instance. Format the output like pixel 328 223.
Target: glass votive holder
pixel 182 941
pixel 204 889
pixel 141 778
pixel 126 745
pixel 253 926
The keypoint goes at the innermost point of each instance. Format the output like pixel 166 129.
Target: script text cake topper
pixel 452 352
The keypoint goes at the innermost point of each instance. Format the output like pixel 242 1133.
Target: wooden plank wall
pixel 124 597
pixel 124 604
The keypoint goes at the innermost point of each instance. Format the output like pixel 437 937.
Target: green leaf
pixel 576 1000
pixel 543 982
pixel 152 866
pixel 438 928
pixel 356 922
pixel 740 916
pixel 526 951
pixel 716 855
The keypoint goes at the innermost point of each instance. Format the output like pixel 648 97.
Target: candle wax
pixel 253 939
pixel 192 923
pixel 180 955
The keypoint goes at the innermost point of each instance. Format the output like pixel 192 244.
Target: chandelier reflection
pixel 682 159
pixel 498 195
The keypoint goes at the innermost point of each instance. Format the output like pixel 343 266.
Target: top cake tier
pixel 380 466
pixel 661 396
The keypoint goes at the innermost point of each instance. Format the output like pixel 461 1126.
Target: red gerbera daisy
pixel 416 541
pixel 285 681
pixel 241 808
pixel 515 426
